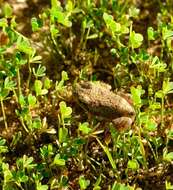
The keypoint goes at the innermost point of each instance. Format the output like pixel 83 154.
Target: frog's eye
pixel 131 113
pixel 86 85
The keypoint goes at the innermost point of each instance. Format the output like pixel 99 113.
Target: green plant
pixel 47 141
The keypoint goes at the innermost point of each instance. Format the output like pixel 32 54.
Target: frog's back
pixel 100 100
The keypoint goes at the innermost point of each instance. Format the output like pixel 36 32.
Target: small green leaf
pixel 170 134
pixel 7 10
pixel 92 36
pixel 22 100
pixel 113 26
pixel 2 141
pixel 42 187
pixel 44 91
pixel 169 186
pixel 40 71
pixel 47 83
pixel 119 186
pixel 67 22
pixel 135 39
pixel 4 93
pixel 9 84
pixel 69 6
pixel 150 32
pixel 19 59
pixel 25 162
pixel 6 171
pixel 28 162
pixel 36 24
pixel 134 12
pixel 63 133
pixel 58 161
pixel 159 94
pixel 32 100
pixel 83 182
pixel 151 125
pixel 97 183
pixel 38 87
pixel 36 123
pixel 54 31
pixel 60 16
pixel 50 131
pixel 166 33
pixel 167 87
pixel 133 164
pixel 20 176
pixel 136 95
pixel 168 157
pixel 3 147
pixel 23 45
pixel 55 4
pixel 84 128
pixel 36 59
pixel 64 76
pixel 3 22
pixel 65 111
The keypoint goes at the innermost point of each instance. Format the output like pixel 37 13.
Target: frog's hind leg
pixel 122 123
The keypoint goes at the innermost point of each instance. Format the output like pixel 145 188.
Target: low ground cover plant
pixel 47 140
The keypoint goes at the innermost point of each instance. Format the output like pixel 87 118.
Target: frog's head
pixel 82 91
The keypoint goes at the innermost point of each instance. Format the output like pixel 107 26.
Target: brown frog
pixel 97 98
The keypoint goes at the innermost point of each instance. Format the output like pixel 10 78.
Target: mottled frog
pixel 97 98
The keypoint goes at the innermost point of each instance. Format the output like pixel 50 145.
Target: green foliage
pixel 168 185
pixel 58 161
pixel 133 164
pixel 168 156
pixel 47 141
pixel 151 33
pixel 40 72
pixel 7 10
pixel 60 86
pixel 36 24
pixel 135 40
pixel 38 88
pixel 65 110
pixel 3 147
pixel 58 15
pixel 118 186
pixel 84 128
pixel 63 133
pixel 83 182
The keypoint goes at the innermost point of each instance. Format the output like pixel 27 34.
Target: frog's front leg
pixel 122 123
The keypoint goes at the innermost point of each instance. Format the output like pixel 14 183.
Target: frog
pixel 98 98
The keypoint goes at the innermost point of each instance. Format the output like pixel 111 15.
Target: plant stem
pixel 3 113
pixel 23 124
pixel 18 83
pixel 162 112
pixel 30 72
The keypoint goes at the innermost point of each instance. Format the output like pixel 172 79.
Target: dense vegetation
pixel 47 141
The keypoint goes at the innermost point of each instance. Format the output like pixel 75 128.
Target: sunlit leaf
pixel 58 161
pixel 133 164
pixel 84 128
pixel 135 39
pixel 63 134
pixel 168 157
pixel 7 10
pixel 32 100
pixel 84 183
